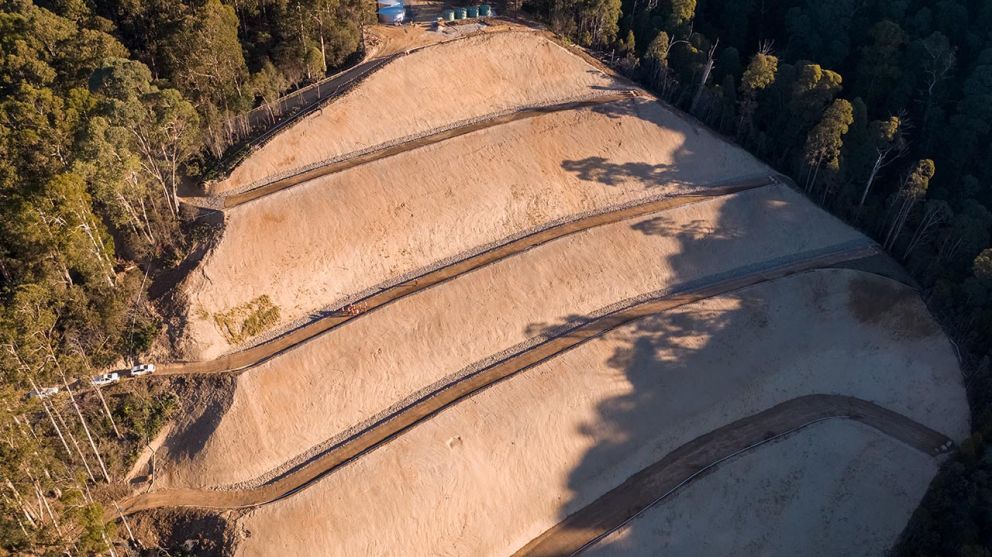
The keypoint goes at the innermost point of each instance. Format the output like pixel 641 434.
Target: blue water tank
pixel 380 4
pixel 392 14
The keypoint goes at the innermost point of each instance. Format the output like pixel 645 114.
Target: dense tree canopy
pixel 105 107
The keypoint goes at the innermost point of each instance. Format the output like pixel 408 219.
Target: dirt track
pixel 228 201
pixel 251 356
pixel 395 424
pixel 641 491
pixel 310 99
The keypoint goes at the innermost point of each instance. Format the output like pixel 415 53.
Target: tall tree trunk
pixel 707 68
pixel 110 416
pixel 52 419
pixel 871 179
pixel 75 442
pixel 86 428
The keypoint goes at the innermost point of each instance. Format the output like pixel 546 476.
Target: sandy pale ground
pixel 359 370
pixel 495 471
pixel 837 488
pixel 279 340
pixel 490 72
pixel 334 237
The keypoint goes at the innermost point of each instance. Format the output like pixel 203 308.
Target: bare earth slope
pixel 533 449
pixel 494 72
pixel 322 242
pixel 473 414
pixel 362 369
pixel 804 495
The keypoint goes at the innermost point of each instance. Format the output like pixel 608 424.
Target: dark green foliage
pixel 145 415
pixel 104 107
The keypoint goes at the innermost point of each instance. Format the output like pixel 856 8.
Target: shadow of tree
pixel 683 369
pixel 598 169
pixel 612 173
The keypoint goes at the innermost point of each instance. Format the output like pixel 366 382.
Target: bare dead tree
pixel 705 76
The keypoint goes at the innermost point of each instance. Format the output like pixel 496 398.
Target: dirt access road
pixel 423 408
pixel 257 354
pixel 252 192
pixel 651 485
pixel 312 98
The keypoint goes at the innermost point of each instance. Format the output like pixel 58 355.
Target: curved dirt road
pixel 420 409
pixel 646 488
pixel 257 354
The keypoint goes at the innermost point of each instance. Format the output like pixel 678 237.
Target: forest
pixel 881 111
pixel 106 106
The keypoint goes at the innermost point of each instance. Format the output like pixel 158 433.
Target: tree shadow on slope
pixel 690 163
pixel 681 366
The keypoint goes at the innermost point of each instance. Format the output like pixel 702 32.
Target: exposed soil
pixel 543 444
pixel 888 308
pixel 357 229
pixel 493 329
pixel 420 409
pixel 187 531
pixel 386 294
pixel 259 189
pixel 835 488
pixel 367 366
pixel 653 484
pixel 496 71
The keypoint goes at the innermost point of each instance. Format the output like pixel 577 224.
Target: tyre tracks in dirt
pixel 409 415
pixel 647 488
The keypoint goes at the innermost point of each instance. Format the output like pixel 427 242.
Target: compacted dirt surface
pixel 741 508
pixel 259 353
pixel 659 480
pixel 545 315
pixel 374 364
pixel 467 385
pixel 354 231
pixel 401 100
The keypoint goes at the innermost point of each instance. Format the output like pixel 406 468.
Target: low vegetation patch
pixel 247 320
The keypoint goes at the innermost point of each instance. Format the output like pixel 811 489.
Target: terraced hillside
pixel 552 331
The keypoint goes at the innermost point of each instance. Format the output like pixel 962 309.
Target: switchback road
pixel 257 354
pixel 418 410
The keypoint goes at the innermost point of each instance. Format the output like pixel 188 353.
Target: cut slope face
pixel 531 450
pixel 804 495
pixel 428 89
pixel 321 243
pixel 497 461
pixel 362 369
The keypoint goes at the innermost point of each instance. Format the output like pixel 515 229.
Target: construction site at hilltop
pixel 496 300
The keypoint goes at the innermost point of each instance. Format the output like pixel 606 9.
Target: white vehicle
pixel 142 369
pixel 44 392
pixel 105 379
